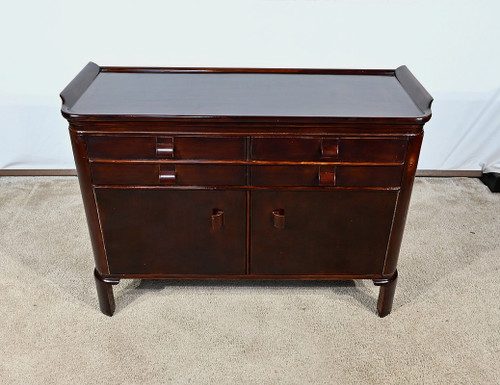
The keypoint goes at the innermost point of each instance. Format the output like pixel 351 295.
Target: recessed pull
pixel 165 147
pixel 279 218
pixel 217 219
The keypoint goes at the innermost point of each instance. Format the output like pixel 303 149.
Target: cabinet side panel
pixel 409 170
pixel 84 177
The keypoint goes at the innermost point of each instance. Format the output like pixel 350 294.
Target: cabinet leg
pixel 386 294
pixel 105 293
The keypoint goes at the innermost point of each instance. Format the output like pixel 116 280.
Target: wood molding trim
pixel 72 172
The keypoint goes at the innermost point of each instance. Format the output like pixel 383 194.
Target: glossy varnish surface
pixel 324 232
pixel 151 231
pixel 246 95
pixel 250 94
pixel 245 173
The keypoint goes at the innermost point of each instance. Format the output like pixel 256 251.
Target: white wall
pixel 452 47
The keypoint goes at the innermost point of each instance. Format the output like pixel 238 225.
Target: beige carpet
pixel 444 329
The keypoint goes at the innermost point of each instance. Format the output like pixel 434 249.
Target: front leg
pixel 386 294
pixel 105 293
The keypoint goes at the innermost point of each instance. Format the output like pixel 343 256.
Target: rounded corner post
pixel 386 294
pixel 105 293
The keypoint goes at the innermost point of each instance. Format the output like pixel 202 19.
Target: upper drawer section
pixel 329 149
pixel 165 147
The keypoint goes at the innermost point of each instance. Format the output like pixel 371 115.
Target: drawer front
pixel 329 149
pixel 165 147
pixel 294 149
pixel 334 176
pixel 372 150
pixel 167 174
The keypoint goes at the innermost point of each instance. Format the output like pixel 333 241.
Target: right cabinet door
pixel 320 232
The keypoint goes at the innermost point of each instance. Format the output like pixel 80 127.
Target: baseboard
pixel 450 173
pixel 37 172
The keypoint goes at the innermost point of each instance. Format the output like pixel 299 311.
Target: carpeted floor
pixel 444 329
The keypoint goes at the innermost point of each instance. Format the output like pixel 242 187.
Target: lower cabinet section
pixel 320 232
pixel 173 231
pixel 204 232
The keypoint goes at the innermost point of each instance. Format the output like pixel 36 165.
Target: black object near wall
pixel 492 180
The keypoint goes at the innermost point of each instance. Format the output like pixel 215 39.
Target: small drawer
pixel 350 150
pixel 333 176
pixel 285 176
pixel 295 149
pixel 368 176
pixel 372 150
pixel 167 174
pixel 165 147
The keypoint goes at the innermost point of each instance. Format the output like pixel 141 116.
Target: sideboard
pixel 222 173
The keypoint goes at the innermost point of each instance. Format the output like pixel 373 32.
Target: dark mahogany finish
pixel 321 234
pixel 174 231
pixel 245 173
pixel 165 147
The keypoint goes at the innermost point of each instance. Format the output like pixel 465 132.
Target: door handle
pixel 279 218
pixel 217 219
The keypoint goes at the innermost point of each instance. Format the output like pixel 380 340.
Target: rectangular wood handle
pixel 329 149
pixel 279 218
pixel 326 176
pixel 217 219
pixel 167 174
pixel 165 147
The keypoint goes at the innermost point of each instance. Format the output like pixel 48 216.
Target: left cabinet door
pixel 164 232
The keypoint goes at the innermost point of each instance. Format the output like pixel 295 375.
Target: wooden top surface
pixel 180 93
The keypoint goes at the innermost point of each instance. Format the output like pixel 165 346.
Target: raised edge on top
pixel 81 83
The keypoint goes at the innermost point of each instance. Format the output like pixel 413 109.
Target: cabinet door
pixel 173 231
pixel 320 232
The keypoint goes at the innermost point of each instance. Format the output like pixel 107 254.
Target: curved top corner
pixel 422 99
pixel 78 85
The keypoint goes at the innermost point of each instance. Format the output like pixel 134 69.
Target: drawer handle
pixel 167 174
pixel 329 149
pixel 217 219
pixel 326 176
pixel 165 147
pixel 279 218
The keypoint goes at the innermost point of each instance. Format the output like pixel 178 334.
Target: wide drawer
pixel 329 149
pixel 165 147
pixel 167 174
pixel 334 176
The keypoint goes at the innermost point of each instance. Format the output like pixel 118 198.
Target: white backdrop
pixel 451 46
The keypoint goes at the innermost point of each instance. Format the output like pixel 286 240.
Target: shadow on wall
pixel 464 133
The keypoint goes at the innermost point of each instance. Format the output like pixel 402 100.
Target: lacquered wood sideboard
pixel 213 173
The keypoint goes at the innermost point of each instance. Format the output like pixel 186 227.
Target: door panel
pixel 173 231
pixel 320 232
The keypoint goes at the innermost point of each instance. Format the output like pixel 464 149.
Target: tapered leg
pixel 386 294
pixel 105 293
